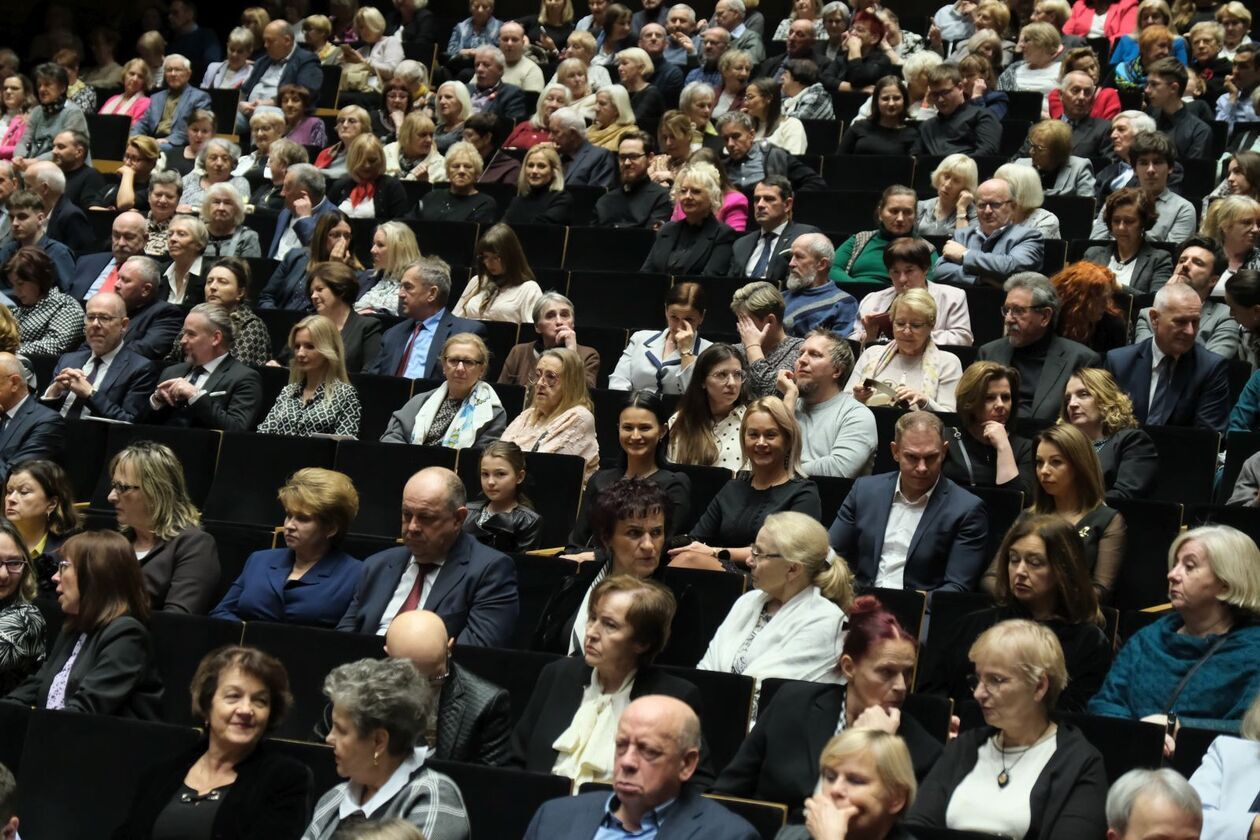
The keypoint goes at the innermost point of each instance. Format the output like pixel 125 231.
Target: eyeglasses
pixel 543 376
pixel 913 326
pixel 992 683
pixel 727 376
pixel 100 319
pixel 467 363
pixel 1038 147
pixel 991 205
pixel 941 94
pixel 1019 311
pixel 631 158
pixel 757 554
pixel 63 566
pixel 120 488
pixel 13 567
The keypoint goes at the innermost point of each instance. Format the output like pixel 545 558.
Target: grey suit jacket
pixel 1076 177
pixel 747 245
pixel 190 100
pixel 692 817
pixel 474 720
pixel 1063 358
pixel 1014 248
pixel 1218 331
pixel 1151 267
pixel 181 574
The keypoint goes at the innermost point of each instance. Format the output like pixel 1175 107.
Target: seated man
pixel 1237 103
pixel 166 118
pixel 99 272
pixel 518 70
pixel 1091 136
pixel 489 93
pixel 211 390
pixel 666 76
pixel 84 185
pixel 1045 360
pixel 763 254
pixel 28 430
pixel 801 43
pixel 748 162
pixel 1165 84
pixel 837 432
pixel 107 379
pixel 154 323
pixel 283 63
pixel 304 202
pixel 994 247
pixel 913 529
pixel 440 568
pixel 1153 803
pixel 27 216
pixel 958 127
pixel 1153 156
pixel 909 261
pixel 1119 172
pixel 473 716
pixel 1172 379
pixel 65 222
pixel 714 42
pixel 812 300
pixel 413 348
pixel 729 17
pixel 1199 263
pixel 636 201
pixel 585 164
pixel 680 47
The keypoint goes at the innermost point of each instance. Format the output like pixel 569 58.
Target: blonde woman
pixel 575 75
pixel 1234 222
pixel 133 101
pixel 504 288
pixel 955 180
pixel 614 116
pixel 352 121
pixel 529 133
pixel 911 365
pixel 318 32
pixel 1039 43
pixel 223 211
pixel 540 197
pixel 461 201
pixel 698 243
pixel 452 106
pixel 1094 404
pixel 635 68
pixel 558 416
pixel 394 247
pixel 381 53
pixel 872 810
pixel 319 399
pixel 1027 196
pixel 414 155
pixel 1235 19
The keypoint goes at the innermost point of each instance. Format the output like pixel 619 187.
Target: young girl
pixel 503 519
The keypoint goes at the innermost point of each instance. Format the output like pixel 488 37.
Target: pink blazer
pixel 12 136
pixel 734 212
pixel 136 110
pixel 1121 19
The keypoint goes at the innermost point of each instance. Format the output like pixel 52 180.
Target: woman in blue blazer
pixel 311 581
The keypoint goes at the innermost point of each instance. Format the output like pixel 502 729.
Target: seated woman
pixel 39 502
pixel 734 208
pixel 696 101
pixel 1224 780
pixel 575 75
pixel 1242 177
pixel 866 60
pixel 300 125
pixel 452 107
pixel 909 262
pixel 332 288
pixel 540 197
pixel 616 32
pixel 997 778
pixel 266 126
pixel 1094 404
pixel 367 192
pixel 1142 269
pixel 662 361
pixel 889 130
pixel 330 242
pixel 1040 574
pixel 102 660
pixel 394 247
pixel 1040 46
pixel 269 197
pixel 352 121
pixel 380 709
pixel 50 322
pixel 227 284
pixel 985 451
pixel 179 561
pixel 955 182
pixel 555 325
pixel 198 128
pixel 1234 222
pixel 674 136
pixel 1128 65
pixel 503 517
pixel 1087 310
pixel 875 672
pixel 530 132
pixel 235 69
pixel 183 282
pixel 771 443
pixel 133 101
pixel 460 413
pixel 395 102
pixel 764 103
pixel 758 309
pixel 613 117
pixel 318 577
pixel 980 75
pixel 699 243
pixel 460 201
pixel 319 399
pixel 21 623
pixel 860 259
pixel 914 369
pixel 242 694
pixel 129 188
pixel 414 155
pixel 504 288
pixel 569 726
pixel 634 69
pixel 1027 197
pixel 1061 172
pixel 558 415
pixel 215 163
pixel 641 433
pixel 1211 640
pixel 705 430
pixel 223 212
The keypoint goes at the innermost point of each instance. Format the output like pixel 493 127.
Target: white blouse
pixel 514 304
pixel 979 804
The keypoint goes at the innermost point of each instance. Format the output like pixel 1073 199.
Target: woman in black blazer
pixel 333 288
pixel 1094 403
pixel 242 694
pixel 104 647
pixel 1138 266
pixel 540 197
pixel 697 244
pixel 366 181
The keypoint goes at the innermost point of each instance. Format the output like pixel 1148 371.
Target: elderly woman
pixel 128 188
pixel 555 325
pixel 21 623
pixel 377 52
pixel 575 76
pixel 50 322
pixel 1050 143
pixel 529 133
pixel 997 778
pixel 269 197
pixel 460 201
pixel 1226 777
pixel 1207 38
pixel 266 126
pixel 414 156
pixel 876 671
pixel 661 361
pixel 319 399
pixel 214 166
pixel 1124 127
pixel 380 708
pixel 1202 661
pixel 317 29
pixel 909 261
pixel 1087 310
pixel 613 117
pixel 696 101
pixel 955 181
pixel 890 131
pixel 394 247
pixel 366 192
pixel 179 561
pixel 55 114
pixel 1235 19
pixel 699 243
pixel 300 125
pixel 910 370
pixel 979 77
pixel 18 99
pixel 133 101
pixel 479 28
pixel 233 71
pixel 1039 44
pixel 504 288
pixel 705 430
pixel 568 728
pixel 352 121
pixel 227 285
pixel 1128 214
pixel 223 211
pixel 985 451
pixel 183 282
pixel 165 188
pixel 452 107
pixel 735 67
pixel 1155 42
pixel 329 242
pixel 634 68
pixel 860 259
pixel 199 128
pixel 674 136
pixel 319 577
pixel 866 54
pixel 810 10
pixel 540 197
pixel 1027 196
pixel 462 412
pixel 1234 222
pixel 39 502
pixel 331 288
pixel 1094 404
pixel 758 309
pixel 558 416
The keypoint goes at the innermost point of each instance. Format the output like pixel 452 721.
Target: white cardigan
pixel 801 641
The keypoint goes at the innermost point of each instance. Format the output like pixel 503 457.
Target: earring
pixel 376 758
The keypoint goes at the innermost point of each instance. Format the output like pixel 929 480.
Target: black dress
pixel 972 462
pixel 739 510
pixel 648 105
pixel 445 206
pixel 540 207
pixel 677 487
pixel 867 137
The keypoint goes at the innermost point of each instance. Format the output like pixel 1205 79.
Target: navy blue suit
pixel 1199 387
pixel 508 103
pixel 590 166
pixel 263 592
pixel 286 289
pixel 86 269
pixel 692 817
pixel 154 328
pixel 948 548
pixel 304 227
pixel 68 224
pixel 33 432
pixel 61 255
pixel 190 100
pixel 302 69
pixel 394 342
pixel 474 592
pixel 121 394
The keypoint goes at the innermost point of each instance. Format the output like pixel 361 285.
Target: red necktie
pixel 110 281
pixel 413 597
pixel 402 363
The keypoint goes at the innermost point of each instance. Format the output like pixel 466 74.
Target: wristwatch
pixel 723 554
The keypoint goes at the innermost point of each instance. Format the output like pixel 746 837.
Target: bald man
pixel 438 568
pixel 284 63
pixel 657 750
pixel 473 717
pixel 99 272
pixel 28 430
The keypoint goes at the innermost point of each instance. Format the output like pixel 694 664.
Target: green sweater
pixel 869 266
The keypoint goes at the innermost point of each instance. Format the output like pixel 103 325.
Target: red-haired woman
pixel 1088 312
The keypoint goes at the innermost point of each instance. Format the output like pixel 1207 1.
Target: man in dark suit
pixel 662 735
pixel 470 586
pixel 414 348
pixel 489 93
pixel 171 129
pixel 304 202
pixel 585 164
pixel 1172 379
pixel 913 529
pixel 64 222
pixel 107 379
pixel 764 254
pixel 154 324
pixel 474 716
pixel 210 390
pixel 99 272
pixel 1044 360
pixel 27 429
pixel 27 216
pixel 284 63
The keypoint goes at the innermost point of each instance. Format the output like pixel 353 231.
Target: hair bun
pixel 865 605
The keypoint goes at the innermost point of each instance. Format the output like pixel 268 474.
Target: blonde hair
pixel 916 300
pixel 327 495
pixel 539 119
pixel 1224 212
pixel 960 166
pixel 1113 403
pixel 416 122
pixel 1234 9
pixel 401 248
pixel 461 94
pixel 621 101
pixel 363 149
pixel 160 475
pixel 640 57
pixel 553 160
pixel 758 299
pixel 225 189
pixel 801 539
pixel 1031 649
pixel 1235 561
pixel 369 18
pixel 892 758
pixel 573 390
pixel 1043 35
pixel 1208 27
pixel 140 63
pixel 468 152
pixel 1025 185
pixel 785 420
pixel 706 175
pixel 327 340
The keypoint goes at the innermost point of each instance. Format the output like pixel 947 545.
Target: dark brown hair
pixel 1076 600
pixel 109 579
pixel 52 479
pixel 32 265
pixel 252 662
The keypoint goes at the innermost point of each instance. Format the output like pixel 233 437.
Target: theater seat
pixel 379 397
pixel 1004 507
pixel 379 472
pixel 607 249
pixel 909 605
pixel 768 818
pixel 252 468
pixel 832 491
pixel 318 758
pixel 708 597
pixel 1192 745
pixel 235 542
pixel 514 670
pixel 553 484
pixel 537 578
pixel 1150 529
pixel 1125 744
pixel 85 455
pixel 14 719
pixel 619 296
pixel 179 643
pixel 706 483
pixel 1245 519
pixel 501 801
pixel 727 701
pixel 196 449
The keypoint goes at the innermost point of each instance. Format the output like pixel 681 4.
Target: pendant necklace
pixel 1004 778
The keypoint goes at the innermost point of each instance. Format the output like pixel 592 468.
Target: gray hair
pixel 1039 286
pixel 689 92
pixel 384 694
pixel 1024 183
pixel 46 174
pixel 758 298
pixel 170 178
pixel 150 271
pixel 495 53
pixel 201 235
pixel 310 179
pixel 436 272
pixel 738 7
pixel 739 118
pixel 238 215
pixel 176 58
pixel 1171 293
pixel 411 72
pixel 546 300
pixel 1164 783
pixel 226 145
pixel 218 318
pixel 570 119
pixel 818 246
pixel 841 352
pixel 835 7
pixel 1137 120
pixel 683 7
pixel 8 794
pixel 241 37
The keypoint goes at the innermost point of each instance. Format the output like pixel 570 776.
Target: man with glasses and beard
pixel 636 201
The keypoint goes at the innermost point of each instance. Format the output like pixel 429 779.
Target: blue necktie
pixel 763 261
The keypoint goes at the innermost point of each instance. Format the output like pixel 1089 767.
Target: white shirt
pixel 1122 270
pixel 903 520
pixel 71 396
pixel 210 367
pixel 405 583
pixel 269 83
pixel 761 246
pixel 12 412
pixel 1157 356
pixel 289 239
pixel 978 804
pixel 396 781
pixel 176 296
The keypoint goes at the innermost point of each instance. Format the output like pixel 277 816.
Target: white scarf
pixel 474 413
pixel 588 747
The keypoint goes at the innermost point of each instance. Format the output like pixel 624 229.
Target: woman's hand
pixel 695 546
pixel 1170 739
pixel 979 87
pixel 964 201
pixel 876 717
pixel 340 252
pixel 273 363
pixel 994 434
pixel 419 173
pixel 916 399
pixel 684 338
pixel 750 335
pixel 825 820
pixel 566 337
pixel 580 557
pixel 955 726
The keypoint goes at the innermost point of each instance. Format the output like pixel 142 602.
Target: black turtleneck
pixel 1028 361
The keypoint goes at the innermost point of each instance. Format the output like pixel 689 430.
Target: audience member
pixel 29 230
pixel 84 185
pixel 919 374
pixel 39 502
pixel 860 259
pixel 1223 780
pixel 460 201
pixel 559 415
pixel 413 348
pixel 49 321
pixel 503 288
pixel 984 451
pixel 319 399
pixel 1235 105
pixel 764 254
pixel 954 207
pixel 705 430
pixel 1085 109
pixel 748 162
pixel 182 159
pixel 663 361
pixel 1060 171
pixel 95 273
pixel 1095 405
pixel 995 247
pixel 165 188
pixel 1145 803
pixel 908 262
pixel 304 203
pixel 166 118
pixel 55 114
pixel 635 201
pixel 1128 215
pixel 1027 198
pixel 503 517
pixel 1152 156
pixel 184 281
pixel 958 127
pixel 540 197
pixel 1166 81
pixel 22 645
pixel 1200 265
pixel 812 301
pixel 758 309
pixel 1234 222
pixel 461 412
pixel 1088 313
pixel 30 430
pixel 332 162
pixel 153 324
pixel 282 63
pixel 698 243
pixel 889 129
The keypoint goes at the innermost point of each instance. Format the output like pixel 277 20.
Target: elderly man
pixel 489 93
pixel 666 76
pixel 657 751
pixel 472 719
pixel 26 214
pixel 1153 156
pixel 837 432
pixel 909 262
pixel 812 301
pixel 994 247
pixel 66 223
pixel 9 183
pixel 210 390
pixel 107 379
pixel 1199 263
pixel 680 24
pixel 154 323
pixel 1166 81
pixel 28 430
pixel 913 529
pixel 84 184
pixel 636 201
pixel 555 326
pixel 95 273
pixel 283 63
pixel 763 254
pixel 440 568
pixel 958 127
pixel 730 15
pixel 748 161
pixel 413 348
pixel 1155 805
pixel 1171 378
pixel 1045 361
pixel 1090 135
pixel 1237 103
pixel 518 70
pixel 802 43
pixel 166 118
pixel 585 164
pixel 1119 173
pixel 714 42
pixel 304 202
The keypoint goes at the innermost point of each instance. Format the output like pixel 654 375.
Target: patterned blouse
pixel 21 643
pixel 157 234
pixel 51 326
pixel 252 342
pixel 292 415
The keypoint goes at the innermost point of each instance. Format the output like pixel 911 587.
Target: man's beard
pixel 796 281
